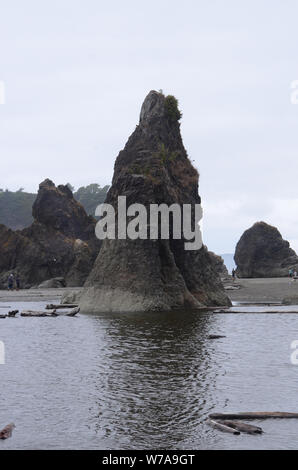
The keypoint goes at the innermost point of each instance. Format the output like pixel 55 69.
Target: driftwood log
pixel 3 316
pixel 222 427
pixel 243 427
pixel 225 421
pixel 253 415
pixel 32 313
pixel 73 312
pixel 263 311
pixel 6 432
pixel 13 313
pixel 65 306
pixel 216 336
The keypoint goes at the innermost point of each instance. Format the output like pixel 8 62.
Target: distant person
pixel 10 281
pixel 291 272
pixel 18 282
pixel 233 274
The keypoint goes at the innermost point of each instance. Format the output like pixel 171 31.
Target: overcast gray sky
pixel 76 73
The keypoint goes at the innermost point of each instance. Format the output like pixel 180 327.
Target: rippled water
pixel 141 381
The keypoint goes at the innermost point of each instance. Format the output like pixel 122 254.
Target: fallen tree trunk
pixel 73 312
pixel 6 432
pixel 263 311
pixel 215 336
pixel 243 427
pixel 30 313
pixel 253 415
pixel 55 307
pixel 223 427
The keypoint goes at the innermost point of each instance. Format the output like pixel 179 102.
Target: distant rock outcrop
pixel 60 243
pixel 144 275
pixel 56 208
pixel 219 265
pixel 262 252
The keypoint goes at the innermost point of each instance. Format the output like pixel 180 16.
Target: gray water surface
pixel 146 381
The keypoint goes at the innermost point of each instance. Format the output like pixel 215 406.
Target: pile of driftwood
pixel 69 310
pixel 228 422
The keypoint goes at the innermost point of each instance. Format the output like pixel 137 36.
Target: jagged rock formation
pixel 262 252
pixel 60 243
pixel 219 265
pixel 144 275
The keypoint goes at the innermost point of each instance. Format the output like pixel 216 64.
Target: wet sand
pixel 263 290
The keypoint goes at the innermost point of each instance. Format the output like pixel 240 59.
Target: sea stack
pixel 145 274
pixel 262 252
pixel 59 244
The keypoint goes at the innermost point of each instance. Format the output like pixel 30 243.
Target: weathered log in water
pixel 3 316
pixel 13 313
pixel 216 336
pixel 243 427
pixel 73 312
pixel 65 306
pixel 257 311
pixel 222 427
pixel 253 415
pixel 30 313
pixel 6 432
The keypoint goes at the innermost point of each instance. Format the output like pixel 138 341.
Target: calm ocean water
pixel 143 381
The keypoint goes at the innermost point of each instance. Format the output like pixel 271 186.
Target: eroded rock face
pixel 143 275
pixel 219 265
pixel 60 243
pixel 262 252
pixel 56 208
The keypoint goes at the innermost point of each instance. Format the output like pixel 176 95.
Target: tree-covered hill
pixel 16 206
pixel 91 196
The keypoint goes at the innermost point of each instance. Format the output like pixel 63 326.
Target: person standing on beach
pixel 18 282
pixel 291 272
pixel 233 274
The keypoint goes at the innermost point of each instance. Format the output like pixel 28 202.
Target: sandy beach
pixel 251 290
pixel 35 295
pixel 263 290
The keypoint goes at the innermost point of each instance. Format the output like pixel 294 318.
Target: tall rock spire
pixel 143 275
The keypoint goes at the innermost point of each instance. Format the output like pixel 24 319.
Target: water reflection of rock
pixel 156 380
